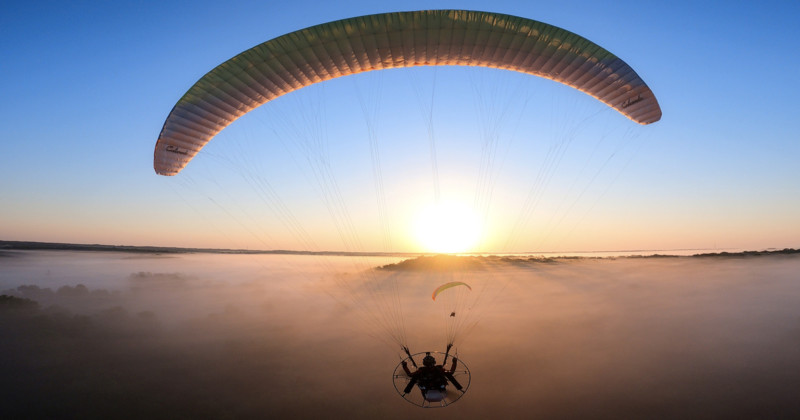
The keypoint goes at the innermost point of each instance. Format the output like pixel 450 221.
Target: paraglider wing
pixel 447 286
pixel 404 39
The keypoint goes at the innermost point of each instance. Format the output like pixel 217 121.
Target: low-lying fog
pixel 128 335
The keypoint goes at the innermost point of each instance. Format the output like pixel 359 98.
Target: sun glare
pixel 447 228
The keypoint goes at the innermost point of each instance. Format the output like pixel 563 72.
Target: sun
pixel 447 228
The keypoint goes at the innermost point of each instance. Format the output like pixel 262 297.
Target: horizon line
pixel 67 246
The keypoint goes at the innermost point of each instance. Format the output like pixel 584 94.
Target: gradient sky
pixel 87 86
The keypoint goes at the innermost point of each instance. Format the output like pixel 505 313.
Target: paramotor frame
pixel 401 380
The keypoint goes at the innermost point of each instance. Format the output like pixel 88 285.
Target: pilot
pixel 431 378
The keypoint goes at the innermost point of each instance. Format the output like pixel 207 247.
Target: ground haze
pixel 132 335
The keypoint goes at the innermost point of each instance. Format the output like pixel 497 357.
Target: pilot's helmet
pixel 429 360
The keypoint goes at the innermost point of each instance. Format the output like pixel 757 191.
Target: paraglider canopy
pixel 391 40
pixel 447 286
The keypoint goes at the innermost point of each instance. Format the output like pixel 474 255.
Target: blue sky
pixel 87 86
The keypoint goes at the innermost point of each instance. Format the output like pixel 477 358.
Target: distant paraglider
pixel 446 286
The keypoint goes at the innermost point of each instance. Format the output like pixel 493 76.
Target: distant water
pixel 112 270
pixel 633 252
